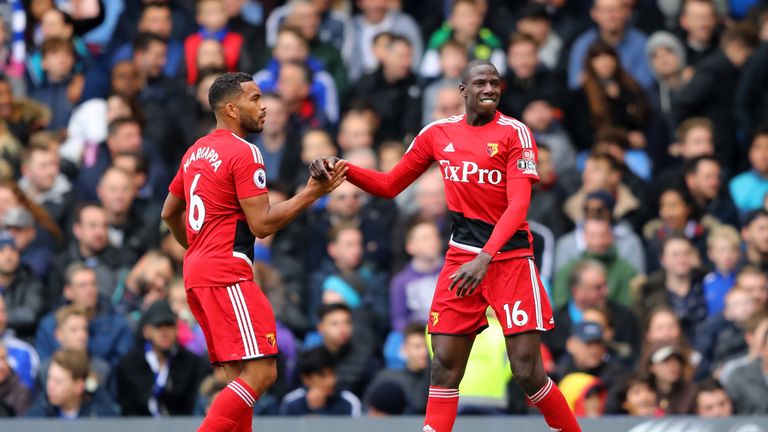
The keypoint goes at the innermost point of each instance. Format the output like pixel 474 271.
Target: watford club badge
pixel 271 339
pixel 435 318
pixel 492 149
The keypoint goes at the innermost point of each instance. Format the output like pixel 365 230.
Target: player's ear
pixel 231 110
pixel 463 90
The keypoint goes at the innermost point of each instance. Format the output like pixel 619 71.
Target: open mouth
pixel 487 100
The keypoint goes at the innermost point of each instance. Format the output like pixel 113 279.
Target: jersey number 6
pixel 196 207
pixel 517 317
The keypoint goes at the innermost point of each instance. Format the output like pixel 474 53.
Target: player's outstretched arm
pixel 173 215
pixel 264 220
pixel 385 185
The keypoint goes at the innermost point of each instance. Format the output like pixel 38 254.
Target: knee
pixel 445 374
pixel 527 371
pixel 260 379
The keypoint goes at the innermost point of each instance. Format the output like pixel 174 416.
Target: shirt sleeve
pixel 523 155
pixel 249 174
pixel 177 184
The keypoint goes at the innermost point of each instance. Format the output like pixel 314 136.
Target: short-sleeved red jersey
pixel 215 173
pixel 476 163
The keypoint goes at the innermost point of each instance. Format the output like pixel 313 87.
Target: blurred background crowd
pixel 650 220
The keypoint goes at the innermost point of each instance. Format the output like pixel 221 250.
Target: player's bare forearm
pixel 264 219
pixel 173 215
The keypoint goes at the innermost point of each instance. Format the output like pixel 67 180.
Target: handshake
pixel 326 167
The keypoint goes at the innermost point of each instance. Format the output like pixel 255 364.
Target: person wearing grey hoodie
pixel 667 58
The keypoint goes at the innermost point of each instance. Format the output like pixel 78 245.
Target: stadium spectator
pixel 22 290
pixel 376 17
pixel 15 396
pixel 754 233
pixel 453 57
pixel 159 378
pixel 666 56
pixel 465 26
pixel 694 138
pixel 43 182
pixel 334 26
pixel 704 183
pixel 22 357
pixel 670 373
pixel 292 47
pixel 345 277
pixel 747 387
pixel 55 24
pixel 711 400
pixel 21 116
pixel 612 96
pixel 751 94
pixel 110 335
pixel 588 285
pixel 204 118
pixel 72 334
pixel 128 230
pixel 586 394
pixel 34 254
pixel 548 194
pixel 305 15
pixel 319 394
pixel 721 337
pixel 536 22
pixel 587 353
pixel 678 214
pixel 447 103
pixel 600 204
pixel 144 284
pixel 136 165
pixel 156 17
pixel 754 336
pixel 636 398
pixel 91 246
pixel 699 24
pixel 749 189
pixel 603 172
pixel 723 251
pixel 392 90
pixel 294 86
pixel 414 378
pixel 711 91
pixel 612 20
pixel 212 18
pixel 61 88
pixel 190 334
pixel 600 246
pixel 526 78
pixel 279 145
pixel 678 284
pixel 540 115
pixel 67 395
pixel 411 290
pixel 351 347
pixel 386 398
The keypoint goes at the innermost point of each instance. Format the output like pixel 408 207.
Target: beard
pixel 251 124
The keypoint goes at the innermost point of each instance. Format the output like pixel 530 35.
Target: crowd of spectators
pixel 650 220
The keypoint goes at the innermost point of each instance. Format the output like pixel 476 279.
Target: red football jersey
pixel 215 173
pixel 476 163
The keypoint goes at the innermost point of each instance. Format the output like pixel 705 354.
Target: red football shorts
pixel 237 321
pixel 513 289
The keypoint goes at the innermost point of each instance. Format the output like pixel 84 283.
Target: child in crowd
pixel 723 250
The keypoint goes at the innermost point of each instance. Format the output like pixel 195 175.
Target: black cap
pixel 159 313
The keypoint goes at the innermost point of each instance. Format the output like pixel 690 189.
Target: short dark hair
pixel 82 207
pixel 613 135
pixel 142 163
pixel 692 166
pixel 517 38
pixel 754 215
pixel 314 361
pixel 155 4
pixel 287 28
pixel 707 385
pixel 306 72
pixel 327 309
pixel 613 163
pixel 760 130
pixel 396 38
pixel 473 64
pixel 414 328
pixel 336 230
pixel 574 278
pixel 740 33
pixel 144 39
pixel 674 237
pixel 116 124
pixel 227 86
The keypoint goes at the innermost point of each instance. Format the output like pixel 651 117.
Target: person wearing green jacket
pixel 599 246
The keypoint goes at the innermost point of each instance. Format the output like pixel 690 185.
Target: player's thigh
pixel 198 311
pixel 514 290
pixel 452 315
pixel 241 321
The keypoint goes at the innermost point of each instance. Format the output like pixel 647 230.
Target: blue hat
pixel 6 239
pixel 603 195
pixel 588 331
